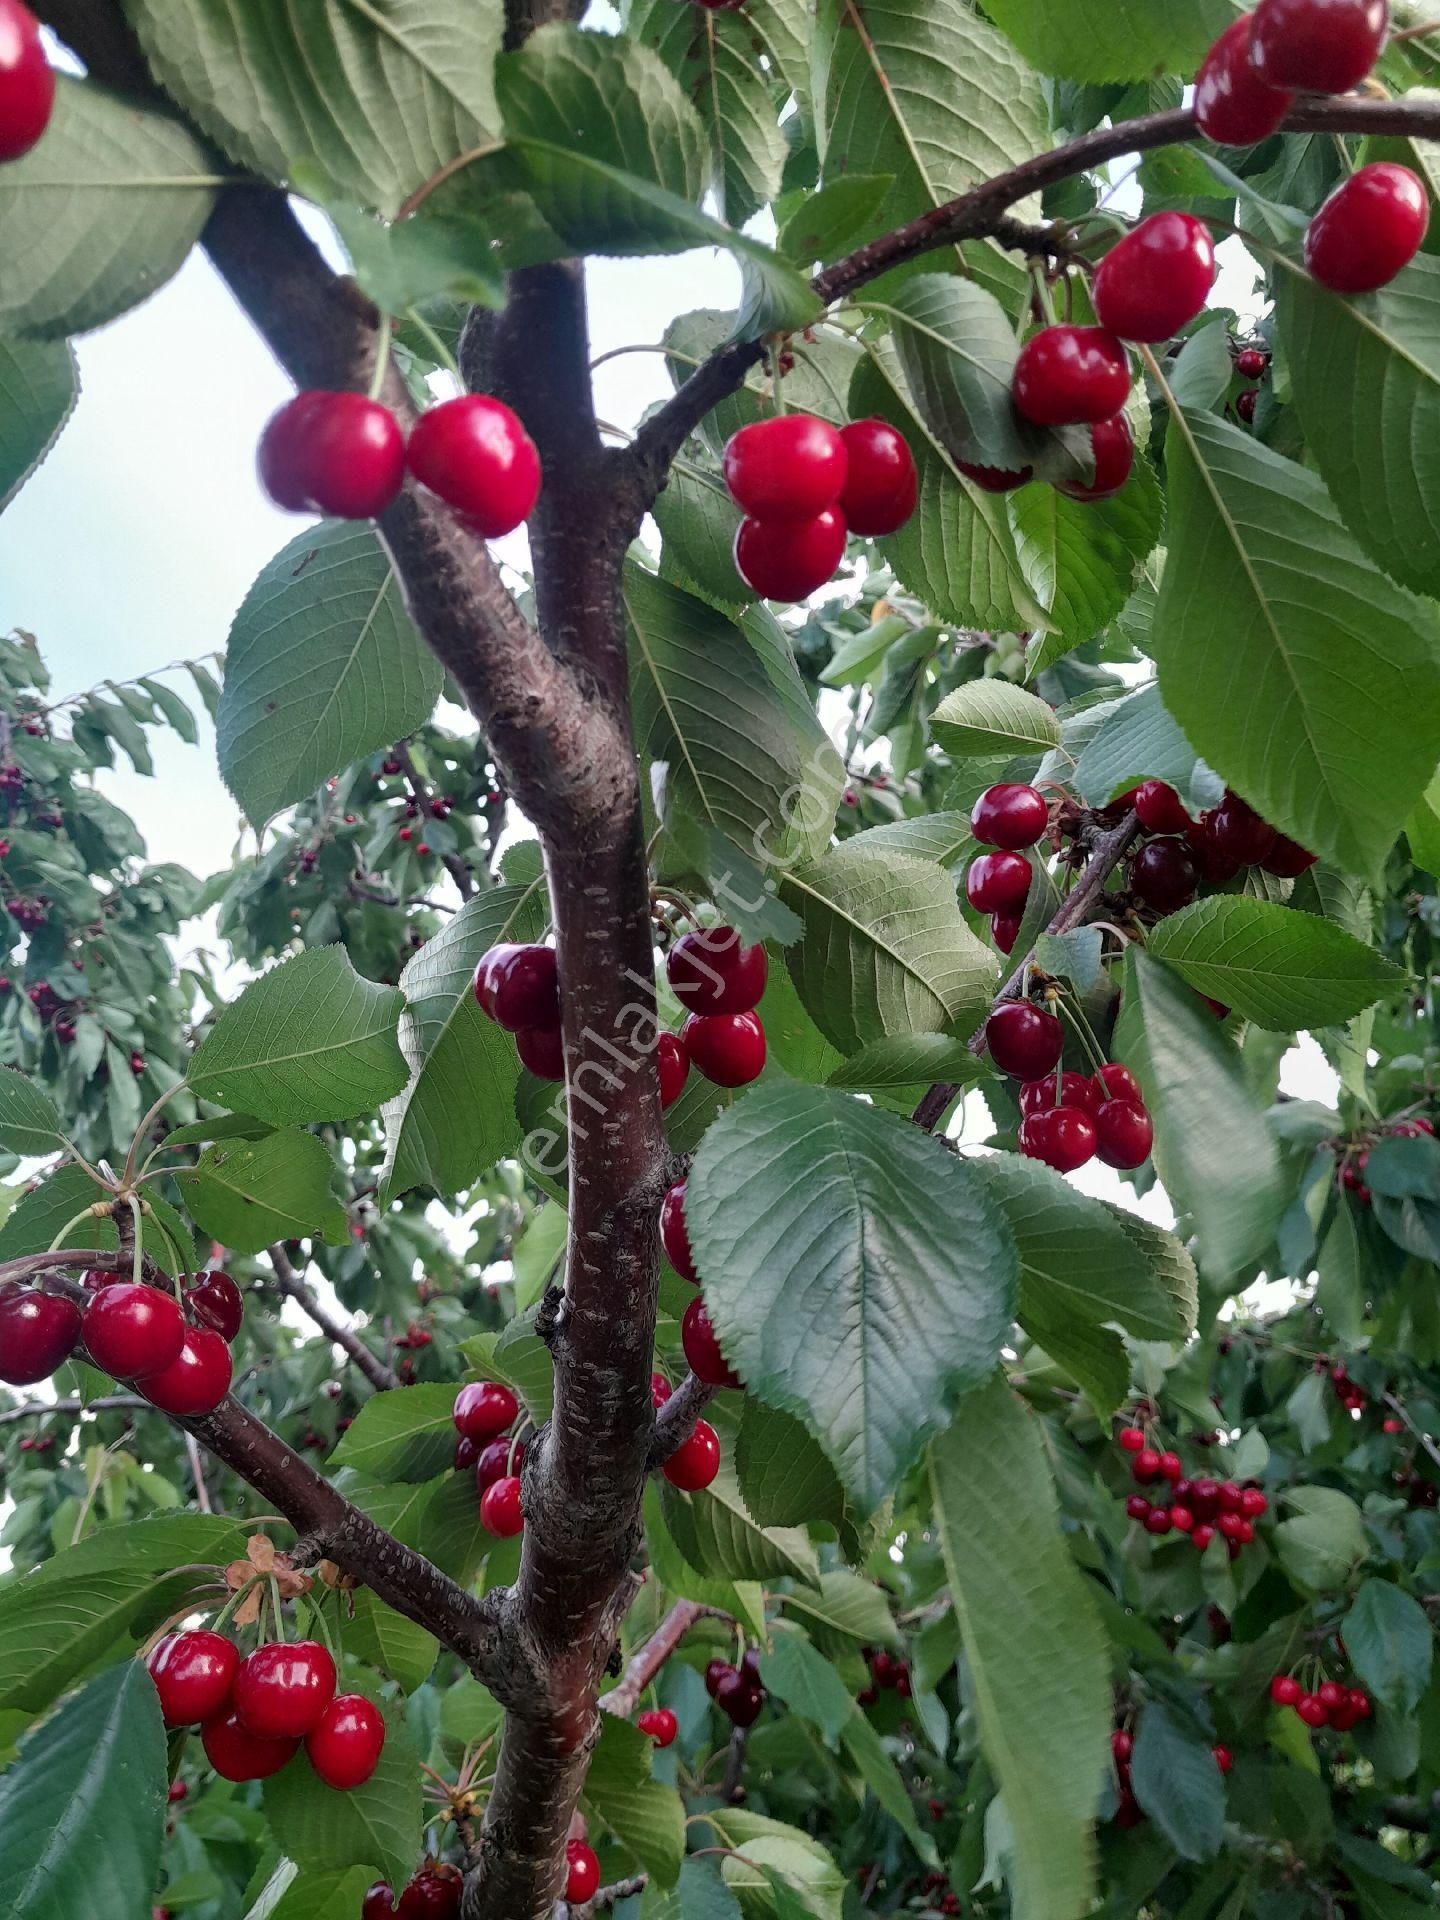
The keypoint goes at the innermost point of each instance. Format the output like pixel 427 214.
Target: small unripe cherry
pixel 998 882
pixel 1069 376
pixel 475 454
pixel 1317 46
pixel 1156 279
pixel 786 469
pixel 1024 1040
pixel 1233 105
pixel 881 484
pixel 790 559
pixel 1011 815
pixel 1113 446
pixel 1369 228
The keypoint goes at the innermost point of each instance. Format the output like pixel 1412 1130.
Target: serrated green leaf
pixel 1322 1540
pixel 1114 39
pixel 337 1895
pixel 1136 739
pixel 29 1119
pixel 834 218
pixel 38 1216
pixel 1081 558
pixel 1390 1644
pixel 248 1194
pixel 388 1640
pixel 784 1477
pixel 407 1436
pixel 645 1816
pixel 374 1825
pixel 845 1608
pixel 808 1684
pixel 908 1059
pixel 717 1534
pixel 39 386
pixel 1177 1782
pixel 994 717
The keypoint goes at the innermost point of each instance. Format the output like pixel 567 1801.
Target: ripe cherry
pixel 1113 445
pixel 1063 1138
pixel 1075 1090
pixel 880 482
pixel 501 1512
pixel 713 971
pixel 702 1348
pixel 475 453
pixel 333 453
pixel 1250 363
pixel 1331 1695
pixel 434 1894
pixel 1253 1503
pixel 1024 1040
pixel 672 1063
pixel 27 83
pixel 1287 859
pixel 790 559
pixel 740 1699
pixel 1137 1506
pixel 1157 279
pixel 1005 930
pixel 1237 832
pixel 996 479
pixel 131 1331
pixel 1158 1520
pixel 1246 403
pixel 215 1299
pixel 484 1409
pixel 467 1454
pixel 1285 1690
pixel 674 1236
pixel 1124 1134
pixel 1317 46
pixel 1122 1744
pixel 660 1390
pixel 1159 808
pixel 1224 1759
pixel 1312 1710
pixel 1171 1469
pixel 789 468
pixel 1203 1534
pixel 542 1052
pixel 582 1873
pixel 1233 105
pixel 728 1048
pixel 1011 815
pixel 282 1688
pixel 519 986
pixel 1182 1519
pixel 197 1381
pixel 715 1672
pixel 660 1724
pixel 346 1742
pixel 1369 228
pixel 1145 1467
pixel 998 882
pixel 1132 1439
pixel 237 1754
pixel 379 1903
pixel 694 1465
pixel 1114 1082
pixel 1068 376
pixel 193 1675
pixel 38 1332
pixel 498 1458
pixel 1163 875
pixel 1360 1703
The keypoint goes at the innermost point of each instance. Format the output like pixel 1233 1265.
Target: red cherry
pixel 379 1903
pixel 1005 930
pixel 582 1873
pixel 712 971
pixel 660 1390
pixel 1122 1744
pixel 1024 1040
pixel 996 479
pixel 1137 1506
pixel 131 1331
pixel 475 453
pixel 1113 445
pixel 519 987
pixel 787 469
pixel 1246 403
pixel 337 453
pixel 1231 1526
pixel 27 84
pixel 1076 1090
pixel 1224 1759
pixel 1369 228
pixel 196 1382
pixel 1230 1498
pixel 38 1332
pixel 1114 1082
pixel 501 1512
pixel 1125 1134
pixel 674 1235
pixel 1132 1439
pixel 1063 1138
pixel 434 1894
pixel 881 484
pixel 1233 105
pixel 1069 376
pixel 715 1672
pixel 1285 1690
pixel 282 1688
pixel 215 1299
pixel 1171 1468
pixel 1182 1518
pixel 790 559
pixel 1360 1703
pixel 1331 1695
pixel 1253 1503
pixel 1311 1710
pixel 673 1066
pixel 1163 875
pixel 1238 833
pixel 1317 46
pixel 1146 1465
pixel 998 882
pixel 467 1454
pixel 484 1409
pixel 1250 363
pixel 1343 1717
pixel 1202 1536
pixel 193 1675
pixel 694 1465
pixel 660 1724
pixel 1158 1520
pixel 498 1458
pixel 702 1348
pixel 1011 815
pixel 1287 859
pixel 1157 279
pixel 728 1048
pixel 1160 809
pixel 237 1754
pixel 542 1051
pixel 346 1742
pixel 740 1699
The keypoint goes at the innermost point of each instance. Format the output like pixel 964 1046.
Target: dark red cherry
pixel 333 453
pixel 1312 1710
pixel 996 479
pixel 660 1391
pixel 1136 1506
pixel 498 1460
pixel 475 453
pixel 542 1050
pixel 1114 1082
pixel 1145 1467
pixel 434 1894
pixel 1233 105
pixel 1076 1090
pixel 345 1744
pixel 484 1409
pixel 1067 376
pixel 519 986
pixel 740 1699
pixel 1246 403
pixel 1005 930
pixel 713 971
pixel 694 1465
pixel 1317 46
pixel 501 1509
pixel 237 1754
pixel 787 469
pixel 998 882
pixel 38 1332
pixel 1113 445
pixel 880 482
pixel 673 1234
pixel 728 1048
pixel 1250 363
pixel 660 1724
pixel 1157 279
pixel 1238 833
pixel 790 559
pixel 197 1381
pixel 27 84
pixel 1369 228
pixel 1287 859
pixel 215 1299
pixel 467 1454
pixel 282 1688
pixel 1163 875
pixel 1159 808
pixel 1063 1138
pixel 702 1348
pixel 379 1903
pixel 673 1065
pixel 1024 1040
pixel 193 1675
pixel 715 1672
pixel 582 1873
pixel 1011 815
pixel 131 1331
pixel 1124 1133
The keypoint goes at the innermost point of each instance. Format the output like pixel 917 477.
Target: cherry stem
pixel 382 356
pixel 86 1213
pixel 1075 1014
pixel 275 1602
pixel 157 1107
pixel 137 1255
pixel 1414 33
pixel 436 345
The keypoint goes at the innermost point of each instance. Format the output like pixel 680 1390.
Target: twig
pixel 197 1474
pixel 384 1379
pixel 1398 1407
pixel 647 1662
pixel 42 1409
pixel 675 1421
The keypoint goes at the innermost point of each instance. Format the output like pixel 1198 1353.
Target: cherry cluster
pixel 1128 1811
pixel 1353 1156
pixel 888 1674
pixel 175 1351
pixel 518 987
pixel 737 1691
pixel 484 1413
pixel 1326 1704
pixel 1351 1395
pixel 694 1464
pixel 1068 1118
pixel 253 1713
pixel 345 455
pixel 27 84
pixel 434 1893
pixel 804 487
pixel 1251 364
pixel 1179 855
pixel 697 1335
pixel 1202 1508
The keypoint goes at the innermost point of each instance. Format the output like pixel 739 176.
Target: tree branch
pixel 42 1409
pixel 675 1421
pixel 647 1662
pixel 384 1379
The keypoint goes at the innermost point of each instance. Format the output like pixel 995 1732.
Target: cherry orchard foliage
pixel 999 1553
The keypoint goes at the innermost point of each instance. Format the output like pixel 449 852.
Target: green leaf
pixel 845 1608
pixel 309 1040
pixel 742 1600
pixel 1076 956
pixel 1389 1642
pixel 1114 39
pixel 379 99
pixel 88 1787
pixel 1282 969
pixel 839 215
pixel 40 1215
pixel 457 1114
pixel 769 1848
pixel 313 1896
pixel 1136 739
pixel 323 667
pixel 700 1894
pixel 427 256
pixel 1177 1782
pixel 1422 829
pixel 885 951
pixel 375 1825
pixel 52 1630
pixel 29 1121
pixel 1295 667
pixel 808 1685
pixel 907 1060
pixel 645 1816
pixel 1213 1150
pixel 247 1194
pixel 992 717
pixel 1081 558
pixel 39 386
pixel 1325 1539
pixel 698 522
pixel 717 1533
pixel 99 213
pixel 1044 1719
pixel 784 1477
pixel 858 1275
pixel 388 1640
pixel 407 1436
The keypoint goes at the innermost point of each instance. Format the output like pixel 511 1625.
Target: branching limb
pixel 675 1421
pixel 384 1379
pixel 648 1661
